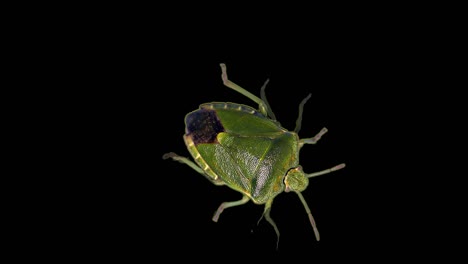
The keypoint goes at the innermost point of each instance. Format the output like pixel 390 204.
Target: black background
pixel 132 81
pixel 146 206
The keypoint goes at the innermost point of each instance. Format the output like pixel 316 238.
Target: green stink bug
pixel 248 150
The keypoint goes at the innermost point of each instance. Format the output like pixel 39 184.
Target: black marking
pixel 203 126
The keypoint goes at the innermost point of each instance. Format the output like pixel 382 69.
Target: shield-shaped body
pixel 240 147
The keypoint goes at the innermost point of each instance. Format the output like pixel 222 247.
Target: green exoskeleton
pixel 247 150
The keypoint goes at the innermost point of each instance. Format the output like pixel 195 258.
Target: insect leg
pixel 314 139
pixel 225 205
pixel 299 118
pixel 266 213
pixel 189 163
pixel 263 96
pixel 335 168
pixel 261 104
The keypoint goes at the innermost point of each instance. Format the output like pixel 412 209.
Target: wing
pixel 244 120
pixel 253 165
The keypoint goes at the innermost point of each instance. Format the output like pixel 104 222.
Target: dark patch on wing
pixel 203 126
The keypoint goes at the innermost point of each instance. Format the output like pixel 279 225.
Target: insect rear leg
pixel 263 108
pixel 191 164
pixel 225 205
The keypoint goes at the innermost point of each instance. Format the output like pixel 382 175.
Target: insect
pixel 249 151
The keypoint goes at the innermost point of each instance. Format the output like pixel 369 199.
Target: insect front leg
pixel 314 139
pixel 266 213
